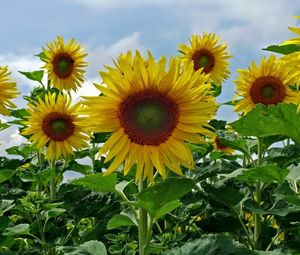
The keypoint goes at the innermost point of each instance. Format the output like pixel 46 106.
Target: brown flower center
pixel 63 65
pixel 267 90
pixel 148 117
pixel 58 126
pixel 203 59
pixel 220 145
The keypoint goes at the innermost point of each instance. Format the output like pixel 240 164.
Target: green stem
pixel 258 194
pixel 246 232
pixel 52 182
pixel 273 240
pixel 143 224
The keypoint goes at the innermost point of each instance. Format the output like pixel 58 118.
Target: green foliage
pixel 98 182
pixel 283 49
pixel 34 75
pixel 281 119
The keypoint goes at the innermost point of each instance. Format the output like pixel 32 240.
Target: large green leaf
pixel 94 247
pixel 21 229
pixel 281 119
pixel 34 75
pixel 155 197
pixel 266 174
pixel 98 182
pixel 6 205
pixel 119 220
pixel 283 49
pixel 6 175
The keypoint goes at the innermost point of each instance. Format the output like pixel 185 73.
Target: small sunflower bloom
pixel 151 113
pixel 54 124
pixel 219 146
pixel 268 84
pixel 65 64
pixel 8 91
pixel 207 54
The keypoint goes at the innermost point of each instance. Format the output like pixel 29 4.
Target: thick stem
pixel 258 191
pixel 52 182
pixel 143 224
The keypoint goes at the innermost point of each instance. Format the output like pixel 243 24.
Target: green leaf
pixel 167 208
pixel 226 195
pixel 152 199
pixel 20 113
pixel 4 126
pixel 6 175
pixel 211 245
pixel 283 49
pixel 119 220
pixel 98 182
pixel 94 247
pixel 35 75
pixel 21 229
pixel 266 174
pixel 75 166
pixel 6 205
pixel 281 119
pixel 54 212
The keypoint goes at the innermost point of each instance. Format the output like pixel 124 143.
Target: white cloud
pixel 103 54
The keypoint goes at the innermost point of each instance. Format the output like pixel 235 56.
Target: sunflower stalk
pixel 143 223
pixel 258 194
pixel 53 181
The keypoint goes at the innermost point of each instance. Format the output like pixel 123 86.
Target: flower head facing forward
pixel 8 91
pixel 65 63
pixel 54 124
pixel 151 112
pixel 268 84
pixel 205 53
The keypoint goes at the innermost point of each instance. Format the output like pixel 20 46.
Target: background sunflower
pixel 55 125
pixel 65 63
pixel 8 91
pixel 269 83
pixel 205 52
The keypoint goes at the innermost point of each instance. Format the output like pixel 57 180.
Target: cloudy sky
pixel 108 27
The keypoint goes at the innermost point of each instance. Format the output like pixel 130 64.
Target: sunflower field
pixel 159 173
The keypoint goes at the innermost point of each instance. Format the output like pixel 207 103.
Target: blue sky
pixel 107 28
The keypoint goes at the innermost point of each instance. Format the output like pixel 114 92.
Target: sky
pixel 107 28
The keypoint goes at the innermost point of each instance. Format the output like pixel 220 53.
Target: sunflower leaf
pixel 34 75
pixel 283 49
pixel 97 182
pixel 159 196
pixel 281 119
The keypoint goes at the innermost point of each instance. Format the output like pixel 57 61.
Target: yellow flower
pixel 266 84
pixel 55 124
pixel 205 52
pixel 8 91
pixel 151 112
pixel 65 63
pixel 221 147
pixel 296 30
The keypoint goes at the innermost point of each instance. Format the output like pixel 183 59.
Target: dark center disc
pixel 148 117
pixel 267 90
pixel 58 126
pixel 203 59
pixel 63 65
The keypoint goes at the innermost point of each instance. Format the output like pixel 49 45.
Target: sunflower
pixel 267 84
pixel 55 124
pixel 65 63
pixel 219 146
pixel 151 112
pixel 205 52
pixel 296 30
pixel 8 91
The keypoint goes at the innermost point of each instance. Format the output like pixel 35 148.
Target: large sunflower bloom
pixel 151 112
pixel 65 63
pixel 205 52
pixel 268 84
pixel 8 91
pixel 54 124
